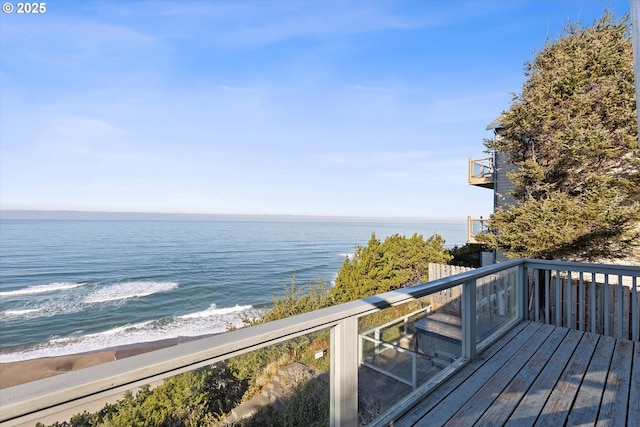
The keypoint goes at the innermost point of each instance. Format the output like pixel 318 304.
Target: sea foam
pixel 127 290
pixel 20 313
pixel 40 289
pixel 210 321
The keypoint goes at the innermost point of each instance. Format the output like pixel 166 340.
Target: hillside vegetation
pixel 205 397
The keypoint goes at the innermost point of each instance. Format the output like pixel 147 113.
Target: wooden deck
pixel 539 374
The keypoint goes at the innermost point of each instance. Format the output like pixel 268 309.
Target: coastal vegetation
pixel 205 397
pixel 195 398
pixel 257 367
pixel 572 133
pixel 468 255
pixel 380 267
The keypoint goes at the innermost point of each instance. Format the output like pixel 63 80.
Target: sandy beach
pixel 14 373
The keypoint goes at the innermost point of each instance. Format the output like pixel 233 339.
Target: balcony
pixel 476 226
pixel 481 172
pixel 523 341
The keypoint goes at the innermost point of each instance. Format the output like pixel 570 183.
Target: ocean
pixel 73 286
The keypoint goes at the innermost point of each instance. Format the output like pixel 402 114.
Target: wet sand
pixel 14 373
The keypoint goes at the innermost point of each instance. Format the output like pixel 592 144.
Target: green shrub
pixel 196 398
pixel 384 266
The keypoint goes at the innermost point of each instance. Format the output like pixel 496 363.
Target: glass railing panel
pixel 405 346
pixel 495 302
pixel 478 225
pixel 439 334
pixel 282 384
pixel 482 168
pixel 287 383
pixel 389 362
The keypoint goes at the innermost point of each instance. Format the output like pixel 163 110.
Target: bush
pixel 196 398
pixel 469 255
pixel 384 266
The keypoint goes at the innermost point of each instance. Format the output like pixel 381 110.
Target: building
pixel 490 172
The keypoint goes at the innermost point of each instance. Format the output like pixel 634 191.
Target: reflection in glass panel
pixel 405 346
pixel 283 384
pixel 495 301
pixel 288 383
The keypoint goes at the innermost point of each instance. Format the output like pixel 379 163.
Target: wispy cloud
pixel 327 20
pixel 377 157
pixel 74 35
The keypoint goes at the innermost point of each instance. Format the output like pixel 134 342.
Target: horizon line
pixel 61 214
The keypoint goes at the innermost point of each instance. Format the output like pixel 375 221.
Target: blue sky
pixel 346 108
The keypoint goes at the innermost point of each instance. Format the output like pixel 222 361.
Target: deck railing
pixel 403 330
pixel 476 226
pixel 597 298
pixel 412 378
pixel 481 172
pixel 493 299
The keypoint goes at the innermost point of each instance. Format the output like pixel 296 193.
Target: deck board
pixel 445 408
pixel 587 404
pixel 539 375
pixel 556 409
pixel 418 410
pixel 488 391
pixel 502 408
pixel 527 411
pixel 613 409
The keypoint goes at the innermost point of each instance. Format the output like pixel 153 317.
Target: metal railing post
pixel 569 302
pixel 536 294
pixel 344 374
pixel 414 370
pixel 558 300
pixel 469 319
pixel 606 305
pixel 547 300
pixel 635 317
pixel 592 309
pixel 521 292
pixel 582 301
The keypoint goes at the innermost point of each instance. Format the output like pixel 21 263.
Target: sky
pixel 329 108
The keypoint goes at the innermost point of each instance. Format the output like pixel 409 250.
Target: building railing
pixel 481 172
pixel 492 300
pixel 476 226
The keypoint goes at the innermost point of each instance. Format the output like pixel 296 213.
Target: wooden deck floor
pixel 539 375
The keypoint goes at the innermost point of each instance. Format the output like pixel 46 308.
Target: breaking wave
pixel 41 289
pixel 128 290
pixel 210 321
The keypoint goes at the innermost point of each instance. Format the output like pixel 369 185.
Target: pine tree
pixel 572 132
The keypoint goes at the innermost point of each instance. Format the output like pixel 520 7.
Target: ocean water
pixel 76 286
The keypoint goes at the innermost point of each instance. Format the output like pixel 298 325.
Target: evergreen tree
pixel 383 266
pixel 573 134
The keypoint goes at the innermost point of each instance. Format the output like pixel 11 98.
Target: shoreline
pixel 24 371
